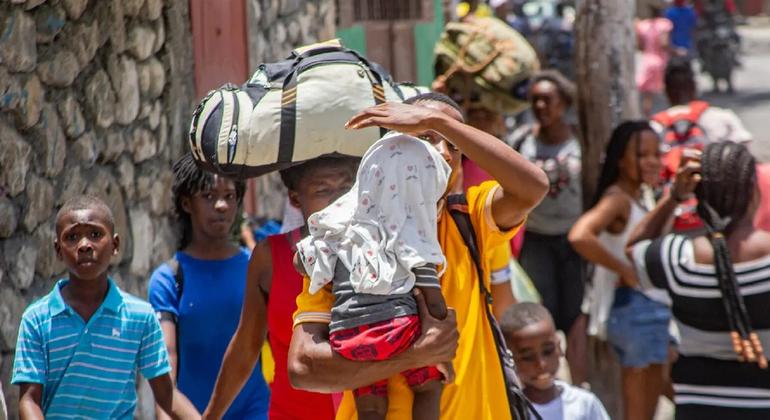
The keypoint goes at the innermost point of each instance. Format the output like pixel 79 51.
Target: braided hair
pixel 621 136
pixel 728 180
pixel 190 179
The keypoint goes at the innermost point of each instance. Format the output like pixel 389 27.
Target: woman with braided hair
pixel 719 285
pixel 632 322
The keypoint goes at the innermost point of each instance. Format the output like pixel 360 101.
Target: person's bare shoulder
pixel 760 242
pixel 755 247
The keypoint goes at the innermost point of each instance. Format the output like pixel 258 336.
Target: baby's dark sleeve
pixel 426 276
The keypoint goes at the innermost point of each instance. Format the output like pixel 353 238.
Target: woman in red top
pixel 270 300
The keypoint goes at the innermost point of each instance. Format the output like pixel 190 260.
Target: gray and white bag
pixel 291 111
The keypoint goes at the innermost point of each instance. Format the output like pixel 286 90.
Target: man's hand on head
pixel 404 118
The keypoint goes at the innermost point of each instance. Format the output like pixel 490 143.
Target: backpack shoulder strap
pixel 176 270
pixel 663 118
pixel 458 208
pixel 697 108
pixel 520 407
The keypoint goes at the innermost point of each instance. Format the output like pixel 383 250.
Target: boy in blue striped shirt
pixel 80 346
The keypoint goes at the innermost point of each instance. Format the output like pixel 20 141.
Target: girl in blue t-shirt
pixel 199 292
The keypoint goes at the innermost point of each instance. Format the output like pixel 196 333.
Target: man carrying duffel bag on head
pixel 291 111
pixel 283 118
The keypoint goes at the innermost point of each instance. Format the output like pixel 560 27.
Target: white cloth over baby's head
pixel 386 224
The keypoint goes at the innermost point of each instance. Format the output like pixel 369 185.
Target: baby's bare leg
pixel 371 407
pixel 427 397
pixel 427 400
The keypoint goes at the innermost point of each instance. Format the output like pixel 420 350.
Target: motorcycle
pixel 718 45
pixel 547 24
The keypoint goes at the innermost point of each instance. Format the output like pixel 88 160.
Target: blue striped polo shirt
pixel 88 370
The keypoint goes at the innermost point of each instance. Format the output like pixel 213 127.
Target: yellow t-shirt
pixel 479 389
pixel 500 260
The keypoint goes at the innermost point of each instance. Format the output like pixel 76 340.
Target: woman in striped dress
pixel 719 284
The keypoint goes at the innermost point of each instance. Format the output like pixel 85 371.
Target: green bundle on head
pixel 485 61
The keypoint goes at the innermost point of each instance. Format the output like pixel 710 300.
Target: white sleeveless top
pixel 600 293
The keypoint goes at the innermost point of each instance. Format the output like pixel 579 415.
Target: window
pixel 360 11
pixel 364 10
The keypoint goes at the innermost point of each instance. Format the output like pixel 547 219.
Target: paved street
pixel 751 100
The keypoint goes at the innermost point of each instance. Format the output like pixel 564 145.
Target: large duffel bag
pixel 291 111
pixel 485 60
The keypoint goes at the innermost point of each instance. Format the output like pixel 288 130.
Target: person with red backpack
pixel 690 123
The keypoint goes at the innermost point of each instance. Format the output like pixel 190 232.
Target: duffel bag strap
pixel 378 92
pixel 288 119
pixel 317 48
pixel 289 106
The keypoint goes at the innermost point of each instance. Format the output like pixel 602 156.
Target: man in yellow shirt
pixel 497 209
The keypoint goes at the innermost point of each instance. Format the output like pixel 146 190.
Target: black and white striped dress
pixel 709 381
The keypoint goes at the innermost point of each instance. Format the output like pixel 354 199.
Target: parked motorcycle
pixel 718 44
pixel 548 25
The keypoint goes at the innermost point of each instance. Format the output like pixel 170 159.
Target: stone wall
pixel 95 97
pixel 275 27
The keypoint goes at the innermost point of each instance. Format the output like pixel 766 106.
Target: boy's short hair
pixel 86 202
pixel 679 74
pixel 292 176
pixel 521 315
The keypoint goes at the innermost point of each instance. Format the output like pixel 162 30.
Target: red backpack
pixel 681 130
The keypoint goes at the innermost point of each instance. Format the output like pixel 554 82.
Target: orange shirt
pixel 479 389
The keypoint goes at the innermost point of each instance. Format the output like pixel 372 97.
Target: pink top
pixel 652 35
pixel 472 176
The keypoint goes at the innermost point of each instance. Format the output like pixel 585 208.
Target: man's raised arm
pixel 523 184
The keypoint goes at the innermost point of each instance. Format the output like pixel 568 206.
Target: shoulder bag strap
pixel 521 408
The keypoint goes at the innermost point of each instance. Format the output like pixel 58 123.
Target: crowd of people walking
pixel 395 298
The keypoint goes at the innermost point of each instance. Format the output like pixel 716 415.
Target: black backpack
pixel 521 408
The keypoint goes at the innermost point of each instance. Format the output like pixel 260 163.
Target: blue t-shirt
pixel 683 20
pixel 208 316
pixel 89 368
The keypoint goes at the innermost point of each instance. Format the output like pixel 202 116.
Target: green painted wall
pixel 353 38
pixel 425 37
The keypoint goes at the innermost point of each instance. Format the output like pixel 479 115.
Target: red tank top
pixel 287 403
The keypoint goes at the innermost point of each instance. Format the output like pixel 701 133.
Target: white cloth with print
pixel 572 404
pixel 386 224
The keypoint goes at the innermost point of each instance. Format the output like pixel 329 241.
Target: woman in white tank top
pixel 635 325
pixel 601 290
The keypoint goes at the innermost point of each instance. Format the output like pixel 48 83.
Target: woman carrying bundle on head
pixel 719 285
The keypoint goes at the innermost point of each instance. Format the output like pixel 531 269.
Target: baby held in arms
pixel 372 247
